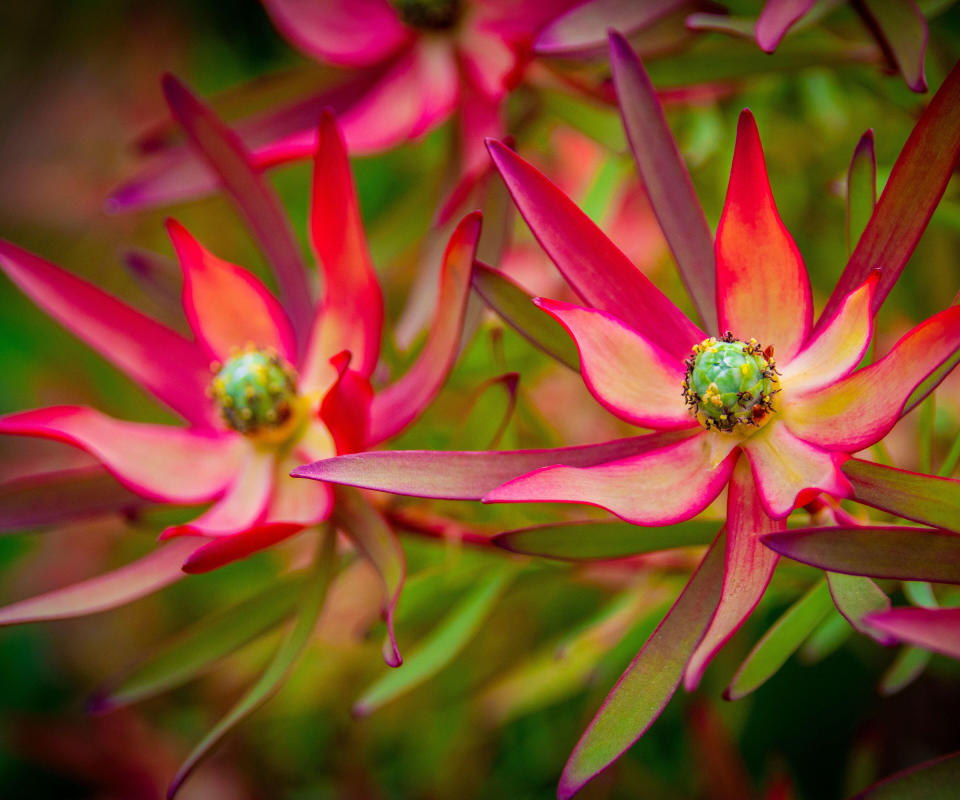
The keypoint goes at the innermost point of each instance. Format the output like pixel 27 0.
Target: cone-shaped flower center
pixel 255 391
pixel 429 15
pixel 730 383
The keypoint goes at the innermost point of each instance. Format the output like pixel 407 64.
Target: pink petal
pixel 350 32
pixel 488 60
pixel 601 274
pixel 172 368
pixel 227 549
pixel 254 197
pixel 634 379
pixel 776 19
pixel 749 567
pixel 244 503
pixel 762 284
pixel 226 306
pixel 351 315
pixel 399 404
pixel 345 410
pixel 789 471
pixel 159 462
pixel 657 488
pixel 135 580
pixel 296 502
pixel 936 629
pixel 836 351
pixel 860 409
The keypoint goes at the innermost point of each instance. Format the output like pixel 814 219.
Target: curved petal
pixel 593 265
pixel 345 410
pixel 749 567
pixel 244 503
pixel 137 579
pixel 399 404
pixel 860 409
pixel 159 462
pixel 351 315
pixel 487 58
pixel 835 352
pixel 634 379
pixel 657 488
pixel 226 306
pixel 776 19
pixel 789 471
pixel 762 287
pixel 227 549
pixel 169 366
pixel 349 32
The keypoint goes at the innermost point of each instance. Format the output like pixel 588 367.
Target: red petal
pixel 227 549
pixel 345 410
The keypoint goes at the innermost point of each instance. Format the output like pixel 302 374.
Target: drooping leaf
pixel 922 498
pixel 905 669
pixel 651 679
pixel 903 32
pixel 933 780
pixel 780 642
pixel 855 597
pixel 861 189
pixel 440 646
pixel 310 603
pixel 199 647
pixel 598 540
pixel 516 308
pixel 903 553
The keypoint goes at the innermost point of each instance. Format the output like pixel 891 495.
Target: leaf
pixel 855 597
pixel 903 553
pixel 922 498
pixel 440 646
pixel 780 642
pixel 377 541
pixel 905 669
pixel 35 501
pixel 651 679
pixel 226 155
pixel 600 540
pixel 916 184
pixel 826 639
pixel 902 30
pixel 516 308
pixel 931 382
pixel 933 780
pixel 777 17
pixel 861 189
pixel 200 647
pixel 936 629
pixel 311 602
pixel 666 179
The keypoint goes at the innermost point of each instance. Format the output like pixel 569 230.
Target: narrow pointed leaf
pixel 200 647
pixel 914 189
pixel 902 553
pixel 226 155
pixel 781 641
pixel 903 32
pixel 933 780
pixel 592 540
pixel 39 500
pixel 310 604
pixel 137 579
pixel 861 189
pixel 651 679
pixel 516 308
pixel 855 597
pixel 936 629
pixel 922 498
pixel 377 541
pixel 666 179
pixel 777 17
pixel 440 646
pixel 466 474
pixel 905 669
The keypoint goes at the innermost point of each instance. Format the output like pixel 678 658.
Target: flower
pixel 259 396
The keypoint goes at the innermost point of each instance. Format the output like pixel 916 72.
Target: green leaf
pixel 861 189
pixel 826 639
pixel 855 597
pixel 933 780
pixel 923 498
pixel 201 646
pixel 780 642
pixel 516 308
pixel 311 602
pixel 920 593
pixel 600 540
pixel 905 669
pixel 651 679
pixel 439 647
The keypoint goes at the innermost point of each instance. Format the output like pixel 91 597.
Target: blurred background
pixel 78 83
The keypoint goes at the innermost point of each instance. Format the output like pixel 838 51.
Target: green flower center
pixel 429 15
pixel 730 383
pixel 255 390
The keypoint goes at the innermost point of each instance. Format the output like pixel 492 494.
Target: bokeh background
pixel 78 82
